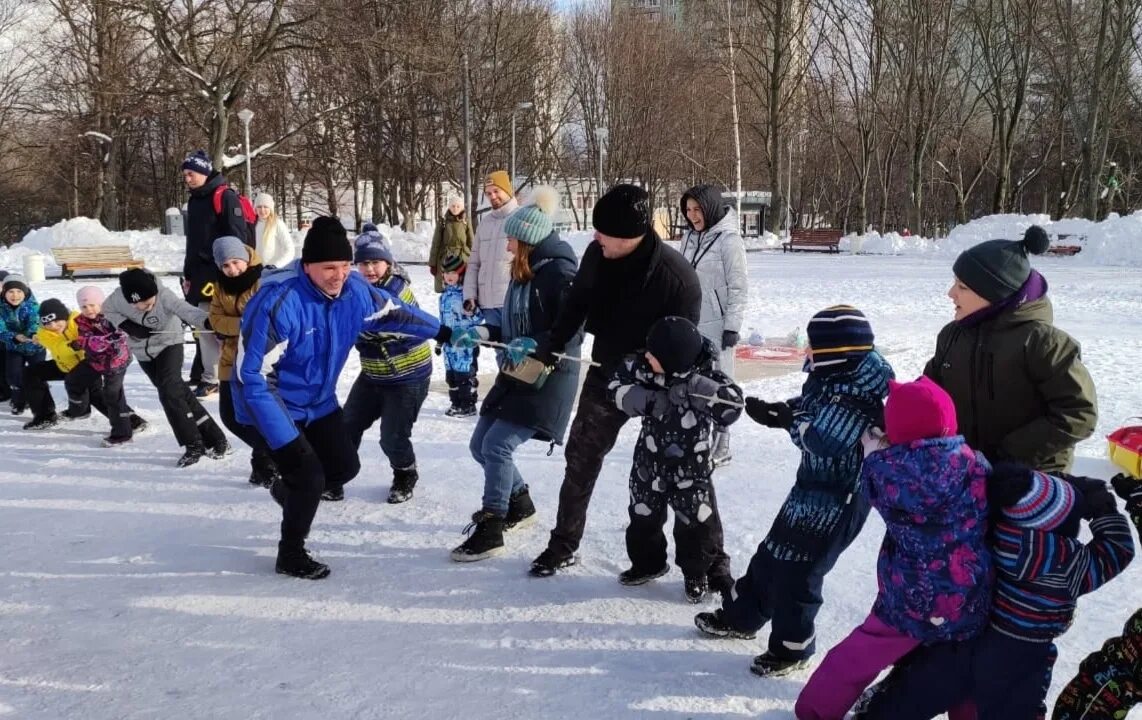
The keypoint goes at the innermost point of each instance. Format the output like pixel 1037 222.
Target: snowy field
pixel 132 589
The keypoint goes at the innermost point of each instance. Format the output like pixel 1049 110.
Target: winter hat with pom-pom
pixel 371 247
pixel 918 410
pixel 996 269
pixel 529 225
pixel 199 162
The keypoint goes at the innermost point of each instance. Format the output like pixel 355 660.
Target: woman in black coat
pixel 516 411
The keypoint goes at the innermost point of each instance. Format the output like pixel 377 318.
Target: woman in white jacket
pixel 272 239
pixel 714 248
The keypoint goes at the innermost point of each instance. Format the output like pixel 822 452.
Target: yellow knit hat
pixel 500 179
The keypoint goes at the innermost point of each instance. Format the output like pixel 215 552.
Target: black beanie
pixel 138 285
pixel 622 212
pixel 326 241
pixel 51 310
pixel 676 343
pixel 995 270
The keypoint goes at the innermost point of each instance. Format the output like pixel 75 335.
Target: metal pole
pixel 249 161
pixel 513 180
pixel 467 144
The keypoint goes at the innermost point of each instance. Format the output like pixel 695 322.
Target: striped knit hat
pixel 838 334
pixel 452 263
pixel 1048 505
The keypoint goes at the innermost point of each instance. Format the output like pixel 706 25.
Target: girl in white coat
pixel 714 248
pixel 272 239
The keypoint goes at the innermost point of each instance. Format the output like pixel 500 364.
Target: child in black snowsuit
pixel 1109 682
pixel 676 390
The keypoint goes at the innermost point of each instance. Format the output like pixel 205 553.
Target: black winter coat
pixel 203 227
pixel 621 299
pixel 548 409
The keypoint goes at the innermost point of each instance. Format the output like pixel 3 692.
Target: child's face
pixel 654 364
pixel 451 278
pixel 146 305
pixel 234 267
pixel 57 326
pixel 14 296
pixel 90 310
pixel 373 270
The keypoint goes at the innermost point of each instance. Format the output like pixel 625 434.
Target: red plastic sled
pixel 770 353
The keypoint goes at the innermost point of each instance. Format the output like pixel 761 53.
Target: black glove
pixel 291 454
pixel 443 335
pixel 1007 484
pixel 729 339
pixel 775 415
pixel 206 325
pixel 1128 488
pixel 469 306
pixel 1097 501
pixel 439 349
pixel 134 329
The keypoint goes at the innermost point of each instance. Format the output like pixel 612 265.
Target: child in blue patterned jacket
pixel 19 321
pixel 460 364
pixel 825 511
pixel 934 569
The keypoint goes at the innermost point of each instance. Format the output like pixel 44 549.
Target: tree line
pixel 852 113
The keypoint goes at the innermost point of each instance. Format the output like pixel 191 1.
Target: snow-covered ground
pixel 132 589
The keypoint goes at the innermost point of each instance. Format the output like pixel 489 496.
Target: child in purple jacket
pixel 107 354
pixel 934 570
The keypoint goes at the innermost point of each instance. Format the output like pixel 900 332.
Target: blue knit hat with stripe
pixel 528 225
pixel 837 335
pixel 1050 504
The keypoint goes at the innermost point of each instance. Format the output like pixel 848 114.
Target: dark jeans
pixel 328 459
pixel 14 364
pixel 260 457
pixel 593 433
pixel 396 406
pixel 191 424
pixel 462 386
pixel 789 592
pixel 5 391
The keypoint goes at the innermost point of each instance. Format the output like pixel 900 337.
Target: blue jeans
pixel 493 443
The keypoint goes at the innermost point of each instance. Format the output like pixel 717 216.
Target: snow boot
pixel 696 589
pixel 716 624
pixel 549 562
pixel 404 480
pixel 18 408
pixel 113 441
pixel 69 416
pixel 299 564
pixel 769 665
pixel 333 494
pixel 47 421
pixel 205 390
pixel 634 576
pixel 218 451
pixel 487 540
pixel 193 454
pixel 521 511
pixel 138 424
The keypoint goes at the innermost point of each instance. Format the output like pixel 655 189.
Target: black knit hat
pixel 622 212
pixel 676 343
pixel 15 281
pixel 51 310
pixel 326 241
pixel 996 269
pixel 138 285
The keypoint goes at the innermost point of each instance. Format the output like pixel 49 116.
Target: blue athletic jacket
pixel 295 341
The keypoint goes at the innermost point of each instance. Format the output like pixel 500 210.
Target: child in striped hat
pixel 1041 571
pixel 825 511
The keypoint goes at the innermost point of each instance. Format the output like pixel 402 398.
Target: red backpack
pixel 248 213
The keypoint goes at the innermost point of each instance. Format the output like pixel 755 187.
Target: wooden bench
pixel 1065 248
pixel 101 257
pixel 820 239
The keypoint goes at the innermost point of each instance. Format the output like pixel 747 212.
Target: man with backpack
pixel 213 210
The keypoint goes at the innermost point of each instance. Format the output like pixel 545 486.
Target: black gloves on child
pixel 775 415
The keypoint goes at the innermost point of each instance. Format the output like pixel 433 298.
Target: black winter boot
pixel 696 589
pixel 193 454
pixel 550 562
pixel 404 480
pixel 521 511
pixel 716 624
pixel 42 423
pixel 486 541
pixel 769 665
pixel 299 564
pixel 634 576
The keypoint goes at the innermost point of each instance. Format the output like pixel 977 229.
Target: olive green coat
pixel 1021 391
pixel 453 236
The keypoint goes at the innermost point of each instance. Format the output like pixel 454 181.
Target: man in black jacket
pixel 203 227
pixel 627 280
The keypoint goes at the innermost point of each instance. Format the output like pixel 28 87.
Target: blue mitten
pixel 518 349
pixel 468 338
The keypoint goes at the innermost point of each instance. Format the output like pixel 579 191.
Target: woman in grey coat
pixel 714 248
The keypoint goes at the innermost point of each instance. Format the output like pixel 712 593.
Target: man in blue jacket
pixel 296 335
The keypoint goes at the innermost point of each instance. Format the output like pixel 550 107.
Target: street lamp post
pixel 467 141
pixel 601 136
pixel 246 115
pixel 519 106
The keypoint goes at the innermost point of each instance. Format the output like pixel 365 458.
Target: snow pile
pixel 160 252
pixel 892 243
pixel 768 241
pixel 407 247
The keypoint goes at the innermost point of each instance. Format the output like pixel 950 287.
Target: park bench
pixel 101 257
pixel 820 239
pixel 1066 244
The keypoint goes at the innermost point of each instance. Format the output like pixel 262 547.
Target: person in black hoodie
pixel 204 225
pixel 627 280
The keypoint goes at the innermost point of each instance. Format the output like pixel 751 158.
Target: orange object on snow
pixel 1125 448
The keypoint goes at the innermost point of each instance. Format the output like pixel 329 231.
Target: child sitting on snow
pixel 671 386
pixel 1041 570
pixel 106 356
pixel 460 364
pixel 934 569
pixel 825 510
pixel 19 321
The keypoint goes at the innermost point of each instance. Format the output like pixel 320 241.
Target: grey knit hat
pixel 229 247
pixel 996 269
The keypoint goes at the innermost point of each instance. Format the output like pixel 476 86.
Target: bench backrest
pixel 95 253
pixel 816 236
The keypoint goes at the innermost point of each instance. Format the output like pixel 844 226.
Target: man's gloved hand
pixel 207 326
pixel 470 306
pixel 729 339
pixel 467 338
pixel 1128 488
pixel 775 415
pixel 694 391
pixel 518 350
pixel 291 454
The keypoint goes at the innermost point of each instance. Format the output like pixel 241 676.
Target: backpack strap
pixel 218 197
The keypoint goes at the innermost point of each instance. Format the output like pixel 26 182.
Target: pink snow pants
pixel 849 668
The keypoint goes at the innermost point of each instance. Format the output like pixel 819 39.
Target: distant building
pixel 658 9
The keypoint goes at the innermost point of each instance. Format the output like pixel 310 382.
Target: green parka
pixel 453 236
pixel 1020 388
